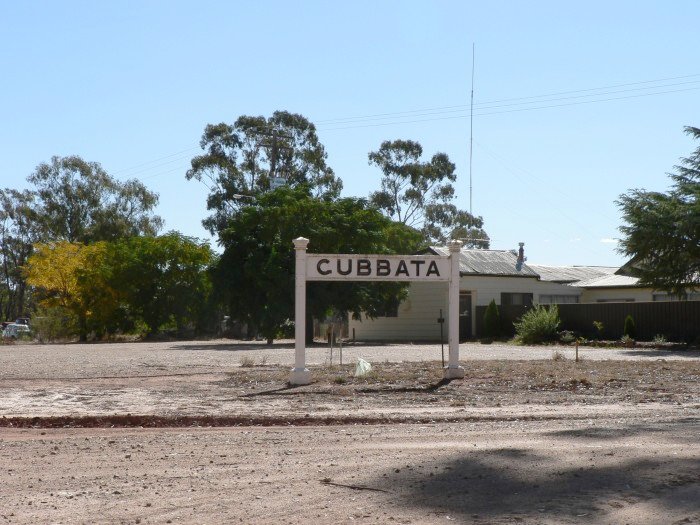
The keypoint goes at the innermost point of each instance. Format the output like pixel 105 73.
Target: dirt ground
pixel 209 432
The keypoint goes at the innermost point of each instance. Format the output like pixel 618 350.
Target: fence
pixel 676 320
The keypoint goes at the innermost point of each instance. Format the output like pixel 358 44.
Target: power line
pixel 155 160
pixel 498 101
pixel 457 112
pixel 462 116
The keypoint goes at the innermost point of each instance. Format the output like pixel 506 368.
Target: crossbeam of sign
pixel 341 267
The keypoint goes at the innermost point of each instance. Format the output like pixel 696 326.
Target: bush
pixel 492 320
pixel 567 337
pixel 54 323
pixel 538 325
pixel 630 330
pixel 598 326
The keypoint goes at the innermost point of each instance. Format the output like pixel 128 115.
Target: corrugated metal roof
pixel 504 263
pixel 609 281
pixel 571 274
pixel 488 262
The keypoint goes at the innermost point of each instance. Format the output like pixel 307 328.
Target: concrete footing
pixel 300 376
pixel 454 372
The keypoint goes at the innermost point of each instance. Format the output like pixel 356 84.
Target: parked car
pixel 15 331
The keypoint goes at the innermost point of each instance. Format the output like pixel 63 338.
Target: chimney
pixel 521 256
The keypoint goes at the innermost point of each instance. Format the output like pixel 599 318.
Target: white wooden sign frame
pixel 352 267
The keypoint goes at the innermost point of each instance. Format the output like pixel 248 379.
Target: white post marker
pixel 373 267
pixel 300 375
pixel 453 370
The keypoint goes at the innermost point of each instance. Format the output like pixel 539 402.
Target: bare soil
pixel 156 433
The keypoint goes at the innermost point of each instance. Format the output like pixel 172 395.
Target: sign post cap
pixel 300 243
pixel 454 245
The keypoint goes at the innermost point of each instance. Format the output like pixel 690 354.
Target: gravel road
pixel 213 356
pixel 525 438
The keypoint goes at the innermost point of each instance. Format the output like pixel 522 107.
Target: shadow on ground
pixel 599 433
pixel 690 354
pixel 233 347
pixel 514 485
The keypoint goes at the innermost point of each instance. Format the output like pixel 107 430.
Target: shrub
pixel 660 339
pixel 247 361
pixel 567 337
pixel 538 325
pixel 54 323
pixel 492 320
pixel 630 330
pixel 598 326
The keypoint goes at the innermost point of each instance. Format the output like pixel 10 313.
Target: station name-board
pixel 339 267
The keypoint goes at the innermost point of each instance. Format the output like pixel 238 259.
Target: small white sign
pixel 277 182
pixel 340 267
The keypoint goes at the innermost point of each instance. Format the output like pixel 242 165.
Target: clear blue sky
pixel 132 84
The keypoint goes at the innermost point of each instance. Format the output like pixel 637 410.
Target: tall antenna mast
pixel 471 134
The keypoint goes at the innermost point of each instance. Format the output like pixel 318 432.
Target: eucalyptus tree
pixel 78 201
pixel 256 154
pixel 421 194
pixel 18 232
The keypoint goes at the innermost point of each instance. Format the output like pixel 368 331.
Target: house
pixel 504 277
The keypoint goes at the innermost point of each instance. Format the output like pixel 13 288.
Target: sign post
pixel 453 370
pixel 300 375
pixel 374 267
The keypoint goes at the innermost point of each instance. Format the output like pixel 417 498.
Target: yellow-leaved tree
pixel 71 276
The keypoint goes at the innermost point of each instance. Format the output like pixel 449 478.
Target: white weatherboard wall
pixel 417 315
pixel 416 320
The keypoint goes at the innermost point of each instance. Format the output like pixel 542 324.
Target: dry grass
pixel 487 383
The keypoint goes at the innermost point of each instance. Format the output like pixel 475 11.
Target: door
pixel 465 316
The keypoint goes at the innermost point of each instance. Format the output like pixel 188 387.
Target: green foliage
pixel 538 325
pixel 630 329
pixel 152 282
pixel 662 234
pixel 255 274
pixel 78 201
pixel 598 326
pixel 18 231
pixel 492 320
pixel 660 339
pixel 241 158
pixel 161 280
pixel 420 194
pixel 54 323
pixel 69 200
pixel 567 337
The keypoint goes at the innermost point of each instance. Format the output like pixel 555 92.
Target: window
pixel 516 299
pixel 558 299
